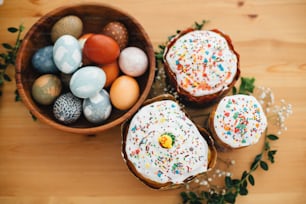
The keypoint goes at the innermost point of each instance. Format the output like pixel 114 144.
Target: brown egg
pixel 112 72
pixel 118 32
pixel 46 89
pixel 101 49
pixel 68 25
pixel 124 92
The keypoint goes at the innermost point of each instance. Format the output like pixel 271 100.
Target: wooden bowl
pixel 94 17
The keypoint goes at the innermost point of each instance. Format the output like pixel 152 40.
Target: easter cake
pixel 202 65
pixel 237 121
pixel 163 147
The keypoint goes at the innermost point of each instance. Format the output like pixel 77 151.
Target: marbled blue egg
pixel 87 81
pixel 97 108
pixel 67 54
pixel 67 108
pixel 42 61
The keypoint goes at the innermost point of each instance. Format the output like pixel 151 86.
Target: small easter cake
pixel 163 147
pixel 202 65
pixel 237 121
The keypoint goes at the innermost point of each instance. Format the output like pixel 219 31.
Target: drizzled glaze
pixel 239 120
pixel 186 156
pixel 203 62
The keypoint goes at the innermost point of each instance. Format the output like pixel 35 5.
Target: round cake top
pixel 202 61
pixel 239 120
pixel 164 145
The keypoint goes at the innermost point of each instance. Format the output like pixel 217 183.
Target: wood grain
pixel 42 165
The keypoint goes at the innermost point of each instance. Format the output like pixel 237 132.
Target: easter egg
pixel 98 108
pixel 68 25
pixel 101 49
pixel 46 89
pixel 67 54
pixel 83 39
pixel 112 72
pixel 67 108
pixel 118 32
pixel 124 92
pixel 87 81
pixel 42 61
pixel 133 61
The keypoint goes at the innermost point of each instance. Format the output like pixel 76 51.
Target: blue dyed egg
pixel 67 54
pixel 43 62
pixel 67 108
pixel 97 108
pixel 87 81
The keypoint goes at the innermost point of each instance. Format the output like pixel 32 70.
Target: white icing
pixel 202 62
pixel 188 155
pixel 239 120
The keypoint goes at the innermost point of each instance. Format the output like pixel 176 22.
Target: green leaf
pixel 264 165
pixel 205 195
pixel 234 90
pixel 271 155
pixel 17 96
pixel 243 191
pixel 7 46
pixel 21 28
pixel 184 197
pixel 236 182
pixel 199 26
pixel 228 182
pixel 12 29
pixel 3 66
pixel 258 157
pixel 7 77
pixel 247 85
pixel 193 195
pixel 251 180
pixel 267 146
pixel 230 197
pixel 254 165
pixel 272 137
pixel 244 183
pixel 170 37
pixel 244 175
pixel 33 117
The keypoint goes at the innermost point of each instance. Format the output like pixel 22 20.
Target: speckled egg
pixel 98 108
pixel 133 61
pixel 67 108
pixel 42 61
pixel 118 32
pixel 67 54
pixel 87 81
pixel 124 92
pixel 46 89
pixel 101 49
pixel 68 25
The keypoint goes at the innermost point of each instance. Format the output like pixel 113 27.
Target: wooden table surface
pixel 42 165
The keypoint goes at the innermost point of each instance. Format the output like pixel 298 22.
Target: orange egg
pixel 124 92
pixel 83 39
pixel 101 49
pixel 112 72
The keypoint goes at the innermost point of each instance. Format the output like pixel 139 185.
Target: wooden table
pixel 42 165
